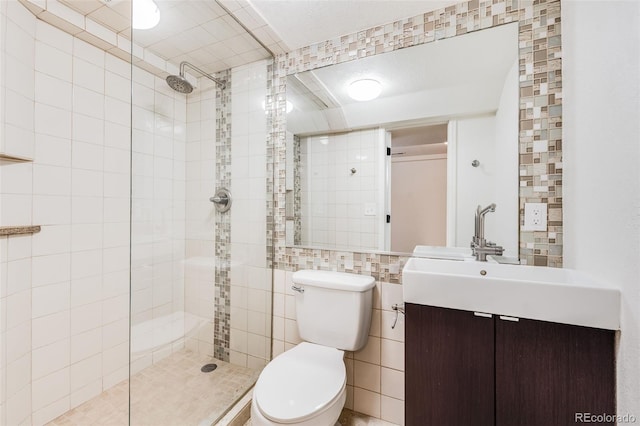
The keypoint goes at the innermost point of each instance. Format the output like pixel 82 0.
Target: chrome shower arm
pixel 184 64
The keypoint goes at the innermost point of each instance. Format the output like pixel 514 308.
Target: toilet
pixel 306 385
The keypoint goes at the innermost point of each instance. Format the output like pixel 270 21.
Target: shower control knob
pixel 222 200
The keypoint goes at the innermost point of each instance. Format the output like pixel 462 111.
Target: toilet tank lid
pixel 334 280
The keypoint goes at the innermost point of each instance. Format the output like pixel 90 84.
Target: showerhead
pixel 179 84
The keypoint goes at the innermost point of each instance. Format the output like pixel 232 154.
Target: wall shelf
pixel 13 158
pixel 18 230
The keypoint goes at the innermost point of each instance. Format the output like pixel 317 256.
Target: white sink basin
pixel 451 253
pixel 547 294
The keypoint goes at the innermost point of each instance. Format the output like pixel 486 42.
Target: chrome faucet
pixel 480 247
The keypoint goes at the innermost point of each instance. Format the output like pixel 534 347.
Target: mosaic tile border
pixel 540 135
pixel 222 301
pixel 297 192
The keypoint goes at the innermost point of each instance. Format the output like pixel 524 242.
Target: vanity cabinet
pixel 464 368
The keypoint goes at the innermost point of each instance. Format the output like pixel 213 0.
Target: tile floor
pixel 172 392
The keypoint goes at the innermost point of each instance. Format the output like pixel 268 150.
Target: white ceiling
pixel 300 23
pixel 203 33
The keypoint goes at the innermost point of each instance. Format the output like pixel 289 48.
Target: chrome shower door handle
pixel 222 200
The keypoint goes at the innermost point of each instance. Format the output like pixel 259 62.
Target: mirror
pixel 410 166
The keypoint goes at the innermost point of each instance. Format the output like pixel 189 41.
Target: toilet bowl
pixel 306 385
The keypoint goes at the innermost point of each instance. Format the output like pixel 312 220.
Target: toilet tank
pixel 333 308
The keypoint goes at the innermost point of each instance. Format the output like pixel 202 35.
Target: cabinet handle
pixel 482 314
pixel 505 318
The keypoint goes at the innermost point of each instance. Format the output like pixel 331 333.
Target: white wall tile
pixel 86 290
pixel 18 277
pixel 367 376
pixel 52 239
pixel 85 317
pixel 50 299
pixel 366 402
pixel 18 309
pixel 15 210
pixel 51 210
pixel 392 410
pixel 18 407
pixel 87 129
pixel 115 333
pixel 50 269
pixel 18 374
pixel 49 389
pixel 85 210
pixel 371 352
pixel 17 178
pixel 392 383
pixel 52 91
pixel 18 341
pixel 50 329
pixel 86 237
pixel 51 150
pixel 392 354
pixel 52 121
pixel 88 75
pixel 50 180
pixel 55 38
pixel 85 372
pixel 50 358
pixel 86 344
pixel 89 53
pixel 53 62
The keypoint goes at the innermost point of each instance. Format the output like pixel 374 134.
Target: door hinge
pixel 388 218
pixel 388 151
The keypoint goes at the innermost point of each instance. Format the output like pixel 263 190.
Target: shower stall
pixel 127 296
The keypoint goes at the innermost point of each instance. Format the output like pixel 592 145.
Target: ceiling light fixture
pixel 365 90
pixel 146 14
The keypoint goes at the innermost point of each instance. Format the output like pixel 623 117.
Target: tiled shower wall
pixel 199 215
pixel 249 315
pixel 64 291
pixel 157 218
pixel 540 159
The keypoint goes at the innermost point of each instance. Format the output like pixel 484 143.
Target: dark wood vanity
pixel 465 368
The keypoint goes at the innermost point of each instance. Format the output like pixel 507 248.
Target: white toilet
pixel 306 385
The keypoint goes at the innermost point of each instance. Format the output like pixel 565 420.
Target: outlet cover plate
pixel 535 217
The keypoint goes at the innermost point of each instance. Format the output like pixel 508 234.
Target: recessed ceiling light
pixel 146 14
pixel 365 90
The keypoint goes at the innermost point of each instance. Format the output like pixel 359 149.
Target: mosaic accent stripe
pixel 222 310
pixel 297 192
pixel 540 136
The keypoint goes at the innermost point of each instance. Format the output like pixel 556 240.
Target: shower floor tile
pixel 172 392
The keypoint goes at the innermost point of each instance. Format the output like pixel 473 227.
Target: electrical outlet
pixel 535 217
pixel 370 209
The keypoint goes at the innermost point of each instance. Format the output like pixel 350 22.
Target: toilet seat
pixel 300 383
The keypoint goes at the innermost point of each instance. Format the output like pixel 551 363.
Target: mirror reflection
pixel 397 150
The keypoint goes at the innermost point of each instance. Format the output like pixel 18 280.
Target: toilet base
pixel 327 417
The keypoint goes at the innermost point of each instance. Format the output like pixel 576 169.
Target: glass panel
pixel 200 286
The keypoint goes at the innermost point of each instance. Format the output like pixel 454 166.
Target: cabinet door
pixel 548 372
pixel 449 367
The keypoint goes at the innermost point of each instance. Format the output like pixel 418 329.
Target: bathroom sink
pixel 548 294
pixel 451 253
